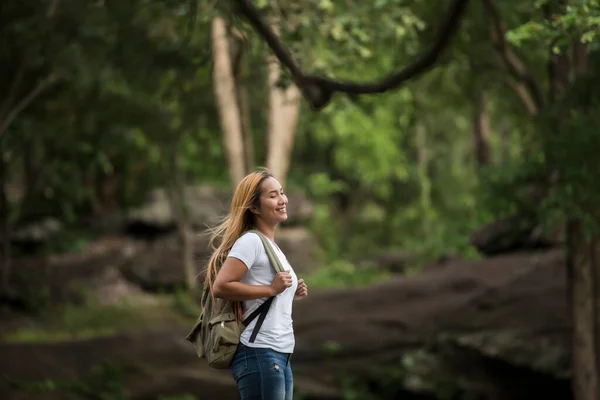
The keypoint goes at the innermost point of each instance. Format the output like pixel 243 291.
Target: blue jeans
pixel 262 374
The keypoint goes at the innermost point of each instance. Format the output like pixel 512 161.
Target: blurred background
pixel 447 229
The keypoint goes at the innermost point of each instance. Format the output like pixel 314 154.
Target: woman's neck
pixel 265 229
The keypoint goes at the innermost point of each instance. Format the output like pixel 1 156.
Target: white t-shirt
pixel 277 331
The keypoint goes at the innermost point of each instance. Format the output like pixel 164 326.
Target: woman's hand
pixel 282 281
pixel 302 290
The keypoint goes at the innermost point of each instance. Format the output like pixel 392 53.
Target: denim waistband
pixel 283 358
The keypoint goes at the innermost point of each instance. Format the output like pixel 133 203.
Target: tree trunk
pixel 424 181
pixel 5 256
pixel 583 256
pixel 242 100
pixel 227 104
pixel 504 131
pixel 180 212
pixel 186 238
pixel 481 125
pixel 248 142
pixel 284 110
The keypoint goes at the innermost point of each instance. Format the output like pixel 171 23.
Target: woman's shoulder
pixel 249 239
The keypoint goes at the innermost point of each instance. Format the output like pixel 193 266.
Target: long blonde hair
pixel 239 220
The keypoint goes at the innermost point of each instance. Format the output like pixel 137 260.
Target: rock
pixel 111 288
pixel 513 234
pixel 72 277
pixel 37 232
pixel 395 261
pixel 206 206
pixel 300 208
pixel 300 247
pixel 507 311
pixel 159 266
pixel 155 212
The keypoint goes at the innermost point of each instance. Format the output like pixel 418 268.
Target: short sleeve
pixel 246 249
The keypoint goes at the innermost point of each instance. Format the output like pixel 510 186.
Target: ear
pixel 254 210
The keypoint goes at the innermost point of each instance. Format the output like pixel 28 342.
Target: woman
pixel 261 368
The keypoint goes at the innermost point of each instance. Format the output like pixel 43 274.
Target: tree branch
pixel 10 97
pixel 52 7
pixel 319 90
pixel 515 66
pixel 525 96
pixel 19 107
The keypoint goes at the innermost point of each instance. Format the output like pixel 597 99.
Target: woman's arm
pixel 227 285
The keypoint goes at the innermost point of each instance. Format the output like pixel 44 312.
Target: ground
pixel 495 328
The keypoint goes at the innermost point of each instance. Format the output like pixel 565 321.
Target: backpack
pixel 217 331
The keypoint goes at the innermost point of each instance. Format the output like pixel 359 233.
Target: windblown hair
pixel 239 220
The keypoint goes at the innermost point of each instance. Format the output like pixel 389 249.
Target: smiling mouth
pixel 282 209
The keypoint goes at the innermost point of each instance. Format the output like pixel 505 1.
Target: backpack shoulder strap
pixel 275 262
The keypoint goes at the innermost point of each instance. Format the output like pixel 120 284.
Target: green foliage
pixel 129 97
pixel 185 302
pixel 67 240
pixel 392 194
pixel 32 290
pixel 579 21
pixel 332 348
pixel 342 273
pixel 571 158
pixel 340 38
pixel 563 156
pixel 106 381
pixel 79 322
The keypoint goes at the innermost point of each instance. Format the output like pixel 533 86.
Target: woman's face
pixel 272 202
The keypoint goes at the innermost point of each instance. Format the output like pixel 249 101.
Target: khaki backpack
pixel 217 331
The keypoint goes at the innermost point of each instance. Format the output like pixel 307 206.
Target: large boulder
pixel 515 233
pixel 37 231
pixel 506 315
pixel 159 266
pixel 300 247
pixel 93 272
pixel 394 261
